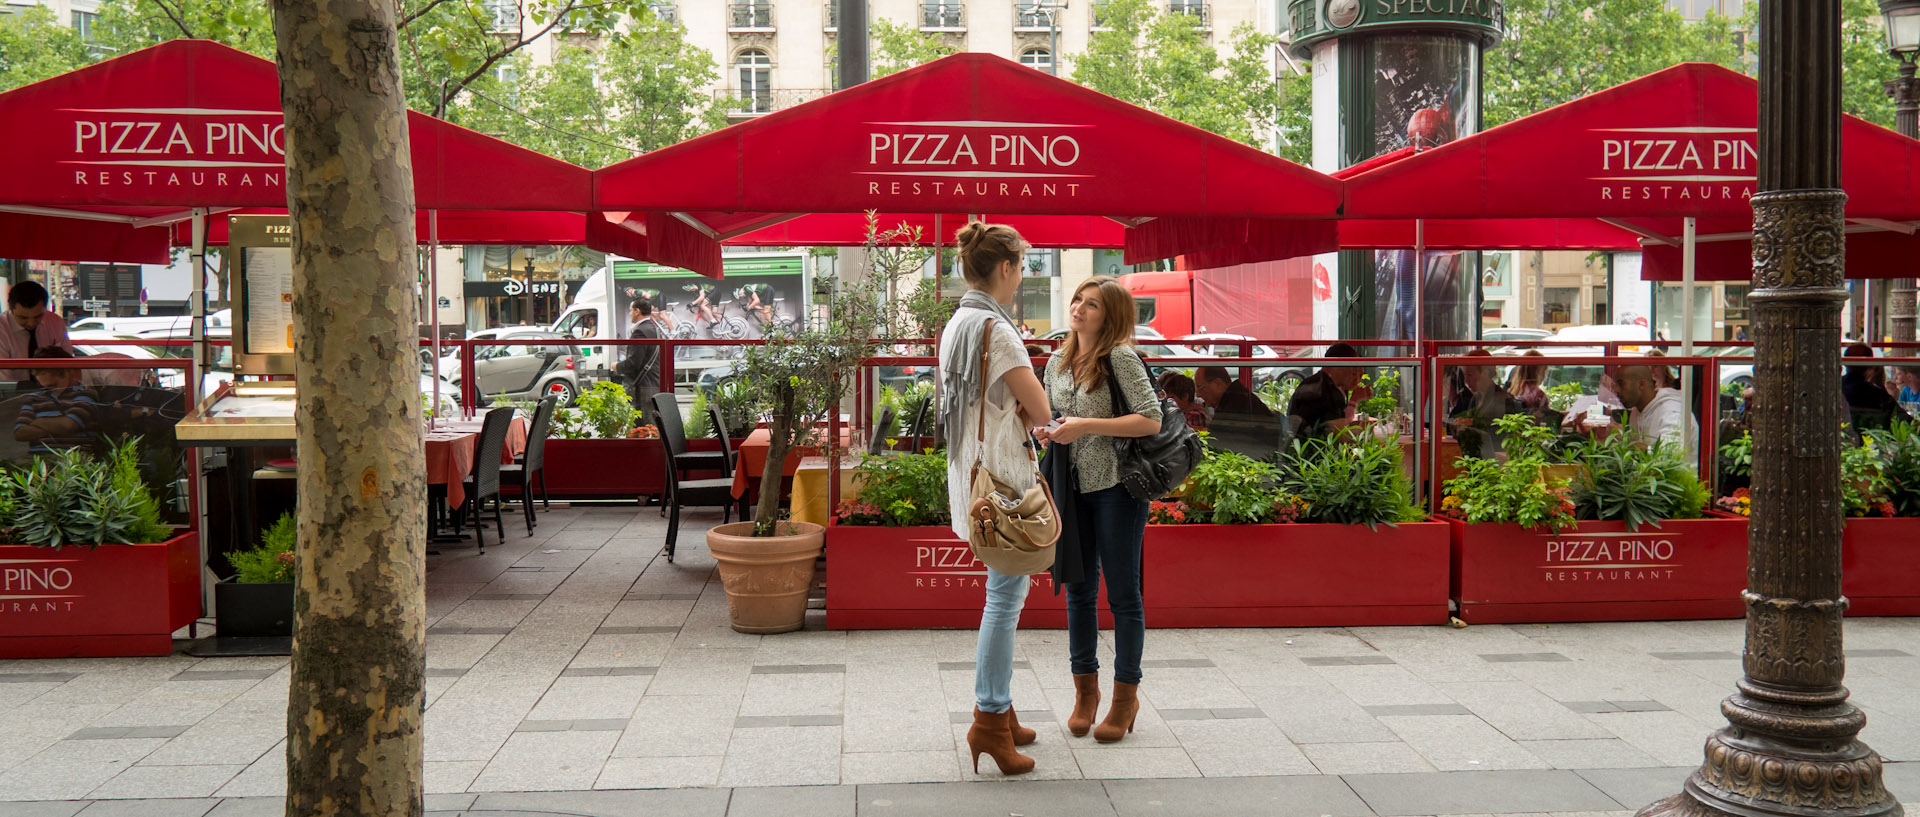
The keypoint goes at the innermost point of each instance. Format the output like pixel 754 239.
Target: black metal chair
pixel 726 440
pixel 673 430
pixel 484 484
pixel 692 493
pixel 879 442
pixel 522 474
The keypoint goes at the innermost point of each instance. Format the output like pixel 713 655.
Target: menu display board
pixel 263 294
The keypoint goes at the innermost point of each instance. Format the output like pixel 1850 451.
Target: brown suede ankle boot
pixel 1021 735
pixel 1086 703
pixel 991 736
pixel 1126 705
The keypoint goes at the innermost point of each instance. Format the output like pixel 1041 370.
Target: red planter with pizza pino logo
pixel 1880 564
pixel 1600 571
pixel 1295 575
pixel 882 578
pixel 112 600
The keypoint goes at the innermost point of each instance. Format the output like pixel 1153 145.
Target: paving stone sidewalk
pixel 569 670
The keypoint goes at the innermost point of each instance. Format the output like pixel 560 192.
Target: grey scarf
pixel 960 373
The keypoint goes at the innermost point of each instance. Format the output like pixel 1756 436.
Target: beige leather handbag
pixel 1011 531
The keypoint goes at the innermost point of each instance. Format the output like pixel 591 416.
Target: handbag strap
pixel 980 420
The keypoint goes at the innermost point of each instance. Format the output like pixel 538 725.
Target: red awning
pixel 970 133
pixel 124 148
pixel 1672 144
pixel 492 227
pixel 1870 254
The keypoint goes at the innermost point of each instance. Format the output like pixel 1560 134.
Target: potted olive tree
pixel 797 380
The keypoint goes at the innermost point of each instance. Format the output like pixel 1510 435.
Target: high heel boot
pixel 1021 735
pixel 1126 705
pixel 1086 703
pixel 991 736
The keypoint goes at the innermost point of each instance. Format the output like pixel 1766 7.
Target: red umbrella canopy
pixel 967 133
pixel 192 123
pixel 1672 144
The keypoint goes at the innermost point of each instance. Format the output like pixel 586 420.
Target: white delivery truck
pixel 761 292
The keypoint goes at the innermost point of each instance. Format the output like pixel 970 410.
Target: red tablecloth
pixel 450 448
pixel 753 458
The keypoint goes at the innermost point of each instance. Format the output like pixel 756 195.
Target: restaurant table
pixel 450 448
pixel 753 459
pixel 810 497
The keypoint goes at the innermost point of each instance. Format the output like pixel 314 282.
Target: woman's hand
pixel 1070 429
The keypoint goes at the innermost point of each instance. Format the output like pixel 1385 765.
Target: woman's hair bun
pixel 971 234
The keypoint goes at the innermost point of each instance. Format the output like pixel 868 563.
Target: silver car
pixel 520 372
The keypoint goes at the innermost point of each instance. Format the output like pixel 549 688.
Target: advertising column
pixel 1390 74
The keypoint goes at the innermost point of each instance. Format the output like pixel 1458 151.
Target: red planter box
pixel 917 578
pixel 1295 575
pixel 1881 563
pixel 113 600
pixel 611 469
pixel 1598 571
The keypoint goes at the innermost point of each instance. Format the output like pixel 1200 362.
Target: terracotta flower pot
pixel 766 577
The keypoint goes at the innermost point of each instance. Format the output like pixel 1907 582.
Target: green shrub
pixel 1232 489
pixel 1350 480
pixel 1637 485
pixel 272 561
pixel 699 426
pixel 1517 490
pixel 900 490
pixel 1899 448
pixel 75 498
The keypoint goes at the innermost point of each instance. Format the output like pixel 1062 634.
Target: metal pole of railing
pixel 433 305
pixel 1419 316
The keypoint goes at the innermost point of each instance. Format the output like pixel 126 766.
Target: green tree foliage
pixel 34 46
pixel 1164 63
pixel 1863 50
pixel 1293 116
pixel 893 47
pixel 1560 50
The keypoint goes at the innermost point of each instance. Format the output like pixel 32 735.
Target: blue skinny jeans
pixel 993 657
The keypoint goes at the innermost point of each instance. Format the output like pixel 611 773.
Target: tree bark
pixel 354 740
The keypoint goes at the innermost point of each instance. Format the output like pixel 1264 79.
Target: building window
pixel 833 15
pixel 1031 15
pixel 664 10
pixel 506 14
pixel 941 14
pixel 1039 59
pixel 1199 10
pixel 83 24
pixel 756 80
pixel 1563 305
pixel 1099 12
pixel 750 14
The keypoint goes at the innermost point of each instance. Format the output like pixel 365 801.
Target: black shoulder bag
pixel 1153 466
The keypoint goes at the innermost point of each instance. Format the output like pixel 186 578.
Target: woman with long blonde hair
pixel 1107 522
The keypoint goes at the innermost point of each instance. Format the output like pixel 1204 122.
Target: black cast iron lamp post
pixel 1791 746
pixel 1902 18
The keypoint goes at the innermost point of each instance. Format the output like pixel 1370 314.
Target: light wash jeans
pixel 993 659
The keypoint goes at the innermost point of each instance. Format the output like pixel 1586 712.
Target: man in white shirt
pixel 29 327
pixel 1657 413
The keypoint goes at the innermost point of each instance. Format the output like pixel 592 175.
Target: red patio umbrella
pixel 128 147
pixel 970 133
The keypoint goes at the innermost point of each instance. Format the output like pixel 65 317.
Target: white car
pixel 1224 345
pixel 222 370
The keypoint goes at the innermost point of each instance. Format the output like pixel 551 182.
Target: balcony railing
pixel 943 15
pixel 1200 11
pixel 665 11
pixel 750 14
pixel 1029 16
pixel 760 102
pixel 505 13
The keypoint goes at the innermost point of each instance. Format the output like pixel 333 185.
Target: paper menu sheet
pixel 269 288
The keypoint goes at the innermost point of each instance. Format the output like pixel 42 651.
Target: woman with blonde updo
pixel 990 258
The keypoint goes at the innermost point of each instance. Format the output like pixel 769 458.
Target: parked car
pixel 164 378
pixel 520 371
pixel 1223 345
pixel 221 372
pixel 1513 333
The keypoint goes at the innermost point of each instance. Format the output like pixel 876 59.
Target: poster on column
pixel 1426 93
